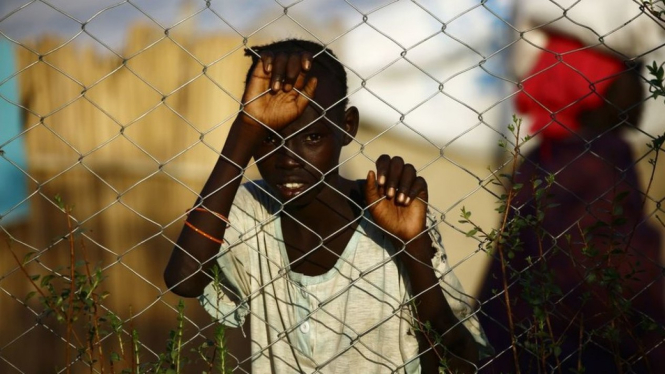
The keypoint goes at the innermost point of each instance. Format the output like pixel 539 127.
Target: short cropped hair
pixel 324 62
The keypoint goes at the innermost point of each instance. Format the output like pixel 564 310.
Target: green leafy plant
pixel 538 285
pixel 73 295
pixel 656 8
pixel 74 298
pixel 656 82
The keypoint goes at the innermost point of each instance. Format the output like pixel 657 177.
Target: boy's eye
pixel 313 138
pixel 271 139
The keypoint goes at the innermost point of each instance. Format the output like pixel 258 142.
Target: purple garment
pixel 595 182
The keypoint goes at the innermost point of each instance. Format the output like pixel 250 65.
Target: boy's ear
pixel 351 120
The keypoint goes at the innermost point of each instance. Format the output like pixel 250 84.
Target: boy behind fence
pixel 319 271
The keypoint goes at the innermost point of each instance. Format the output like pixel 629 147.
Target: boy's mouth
pixel 291 189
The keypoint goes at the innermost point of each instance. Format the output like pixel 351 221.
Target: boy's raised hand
pixel 403 210
pixel 271 96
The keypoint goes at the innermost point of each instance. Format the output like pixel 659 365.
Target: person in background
pixel 585 285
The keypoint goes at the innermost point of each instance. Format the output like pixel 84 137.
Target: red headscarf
pixel 556 91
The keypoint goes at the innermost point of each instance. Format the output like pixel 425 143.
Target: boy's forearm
pixel 187 272
pixel 432 308
pixel 220 189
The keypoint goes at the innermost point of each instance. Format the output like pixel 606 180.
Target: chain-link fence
pixel 114 113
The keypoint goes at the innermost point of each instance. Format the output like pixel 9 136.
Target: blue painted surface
pixel 13 184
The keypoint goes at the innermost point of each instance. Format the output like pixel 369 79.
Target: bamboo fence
pixel 117 139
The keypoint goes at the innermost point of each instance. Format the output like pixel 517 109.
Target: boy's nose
pixel 287 158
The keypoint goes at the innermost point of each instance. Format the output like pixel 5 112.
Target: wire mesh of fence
pixel 160 217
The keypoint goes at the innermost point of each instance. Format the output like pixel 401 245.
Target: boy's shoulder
pixel 259 189
pixel 254 193
pixel 254 186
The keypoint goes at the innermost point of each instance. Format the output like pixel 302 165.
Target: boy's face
pixel 311 150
